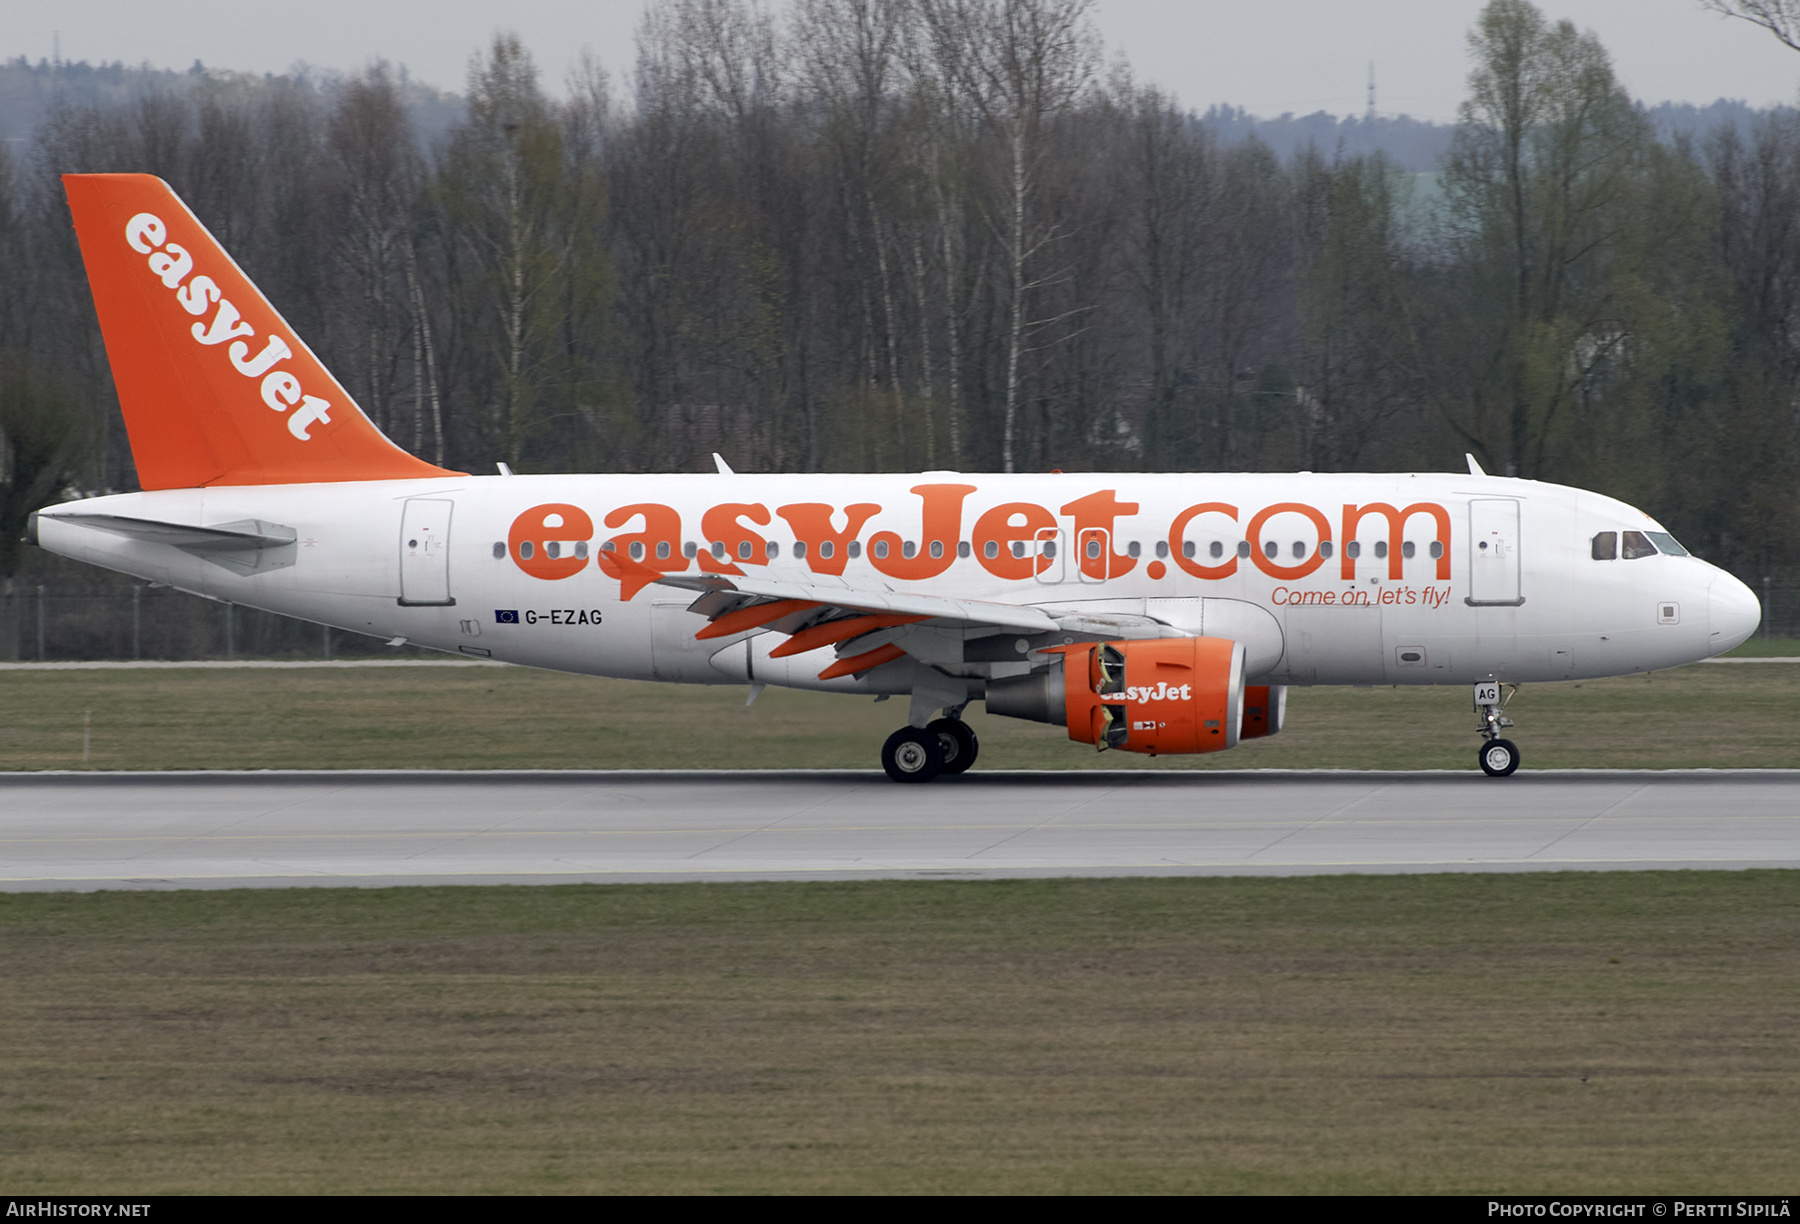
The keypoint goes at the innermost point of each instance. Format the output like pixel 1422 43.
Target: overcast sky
pixel 1300 56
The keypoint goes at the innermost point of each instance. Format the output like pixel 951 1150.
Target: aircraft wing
pixel 816 610
pixel 738 592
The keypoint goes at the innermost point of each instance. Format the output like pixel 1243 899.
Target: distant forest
pixel 920 234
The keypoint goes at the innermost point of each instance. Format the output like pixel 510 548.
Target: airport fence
pixel 40 623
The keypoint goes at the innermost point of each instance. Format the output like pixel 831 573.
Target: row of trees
pixel 891 234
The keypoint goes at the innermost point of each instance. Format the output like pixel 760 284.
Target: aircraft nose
pixel 1732 613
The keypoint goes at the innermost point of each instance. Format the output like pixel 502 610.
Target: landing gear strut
pixel 1497 757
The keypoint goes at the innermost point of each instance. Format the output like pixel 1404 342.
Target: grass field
pixel 1762 648
pixel 1617 1032
pixel 1549 1033
pixel 511 718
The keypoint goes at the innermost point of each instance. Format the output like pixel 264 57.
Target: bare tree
pixel 1021 64
pixel 1779 17
pixel 849 53
pixel 528 222
pixel 373 151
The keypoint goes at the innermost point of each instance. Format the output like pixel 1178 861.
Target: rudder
pixel 215 387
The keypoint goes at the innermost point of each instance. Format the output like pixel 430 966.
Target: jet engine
pixel 1265 709
pixel 1158 695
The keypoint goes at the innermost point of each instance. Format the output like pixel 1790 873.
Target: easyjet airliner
pixel 1146 613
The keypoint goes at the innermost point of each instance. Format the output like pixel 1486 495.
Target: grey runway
pixel 223 830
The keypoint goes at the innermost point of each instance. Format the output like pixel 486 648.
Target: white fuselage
pixel 1468 577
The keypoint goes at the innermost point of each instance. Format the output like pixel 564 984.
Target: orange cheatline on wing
pixel 215 387
pixel 862 662
pixel 839 631
pixel 753 617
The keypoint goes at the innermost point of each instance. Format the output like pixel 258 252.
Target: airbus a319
pixel 1158 614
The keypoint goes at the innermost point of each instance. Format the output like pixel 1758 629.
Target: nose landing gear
pixel 1497 757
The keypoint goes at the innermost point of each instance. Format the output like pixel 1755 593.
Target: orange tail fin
pixel 215 386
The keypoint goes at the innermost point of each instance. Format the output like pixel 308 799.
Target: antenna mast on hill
pixel 1369 115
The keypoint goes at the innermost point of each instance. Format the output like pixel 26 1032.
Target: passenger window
pixel 1637 545
pixel 1243 548
pixel 799 549
pixel 991 549
pixel 1325 548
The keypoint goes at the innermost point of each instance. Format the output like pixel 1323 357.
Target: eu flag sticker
pixel 506 616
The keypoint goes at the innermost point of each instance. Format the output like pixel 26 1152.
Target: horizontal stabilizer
pixel 247 546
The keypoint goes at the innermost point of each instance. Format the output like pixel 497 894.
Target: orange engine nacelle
pixel 1160 695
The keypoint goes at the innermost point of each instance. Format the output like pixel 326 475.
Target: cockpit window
pixel 1637 545
pixel 1606 546
pixel 1665 543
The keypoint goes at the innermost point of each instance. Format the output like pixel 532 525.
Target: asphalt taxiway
pixel 227 830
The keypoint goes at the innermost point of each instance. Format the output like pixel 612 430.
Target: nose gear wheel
pixel 1498 758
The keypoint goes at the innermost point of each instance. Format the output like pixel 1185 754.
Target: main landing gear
pixel 1497 757
pixel 919 754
